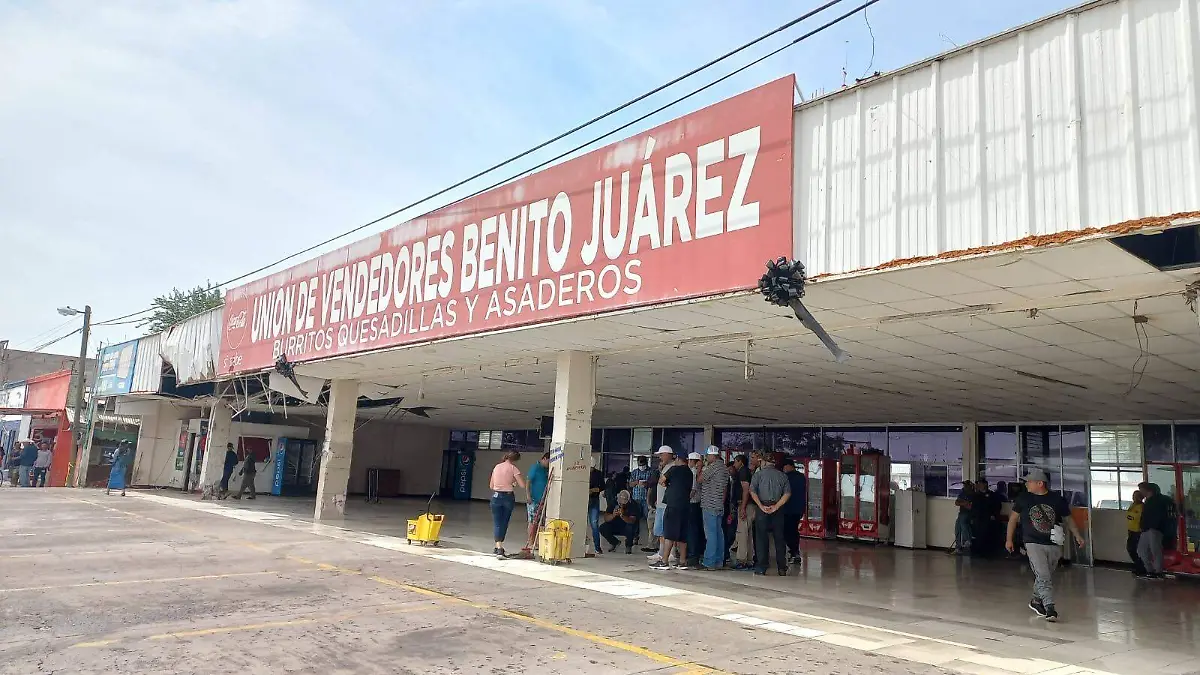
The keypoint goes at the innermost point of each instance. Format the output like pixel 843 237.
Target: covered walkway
pixel 1110 622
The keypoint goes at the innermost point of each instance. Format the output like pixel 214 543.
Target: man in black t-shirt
pixel 1039 513
pixel 677 500
pixel 746 514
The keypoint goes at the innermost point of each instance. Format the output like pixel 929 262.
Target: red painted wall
pixel 48 392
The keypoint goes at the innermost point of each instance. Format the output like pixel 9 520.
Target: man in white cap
pixel 714 479
pixel 676 497
pixel 695 533
pixel 1042 516
pixel 665 457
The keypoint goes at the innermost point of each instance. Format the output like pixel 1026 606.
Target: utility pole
pixel 77 425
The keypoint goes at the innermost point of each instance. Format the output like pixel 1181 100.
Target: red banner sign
pixel 691 208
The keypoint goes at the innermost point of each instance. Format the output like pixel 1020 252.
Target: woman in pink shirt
pixel 504 476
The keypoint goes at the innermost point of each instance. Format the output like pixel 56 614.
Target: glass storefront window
pixel 1112 488
pixel 797 443
pixel 1041 447
pixel 682 439
pixel 940 445
pixel 1157 443
pixel 838 441
pixel 643 439
pixel 998 444
pixel 1074 445
pixel 1187 443
pixel 740 440
pixel 1116 445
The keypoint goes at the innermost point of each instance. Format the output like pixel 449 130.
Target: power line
pixel 44 334
pixel 573 130
pixel 56 340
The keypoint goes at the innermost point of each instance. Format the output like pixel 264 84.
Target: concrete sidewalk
pixel 935 604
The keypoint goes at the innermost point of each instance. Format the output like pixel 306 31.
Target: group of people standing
pixel 710 515
pixel 692 511
pixel 27 464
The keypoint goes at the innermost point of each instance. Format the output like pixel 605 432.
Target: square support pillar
pixel 571 444
pixel 337 449
pixel 971 454
pixel 220 433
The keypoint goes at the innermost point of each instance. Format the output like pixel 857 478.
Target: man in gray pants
pixel 1156 522
pixel 1039 512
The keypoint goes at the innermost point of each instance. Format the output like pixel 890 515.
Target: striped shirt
pixel 770 484
pixel 713 480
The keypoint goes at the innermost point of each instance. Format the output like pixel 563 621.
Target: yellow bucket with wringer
pixel 426 528
pixel 554 542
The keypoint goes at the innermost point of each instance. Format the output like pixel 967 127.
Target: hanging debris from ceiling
pixel 783 285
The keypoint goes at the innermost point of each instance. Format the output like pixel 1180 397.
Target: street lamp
pixel 80 375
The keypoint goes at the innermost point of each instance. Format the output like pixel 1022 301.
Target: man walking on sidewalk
pixel 1042 517
pixel 248 472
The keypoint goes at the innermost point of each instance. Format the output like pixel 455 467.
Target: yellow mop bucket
pixel 554 542
pixel 426 528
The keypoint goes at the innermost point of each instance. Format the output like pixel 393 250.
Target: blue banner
pixel 115 374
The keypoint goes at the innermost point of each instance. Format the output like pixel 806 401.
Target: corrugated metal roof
pixel 147 369
pixel 192 347
pixel 1082 120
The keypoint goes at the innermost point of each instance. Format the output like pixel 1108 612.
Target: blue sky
pixel 152 144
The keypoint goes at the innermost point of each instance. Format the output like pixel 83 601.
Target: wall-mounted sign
pixel 688 209
pixel 115 374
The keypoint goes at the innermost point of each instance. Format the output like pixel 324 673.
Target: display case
pixel 864 495
pixel 820 520
pixel 297 464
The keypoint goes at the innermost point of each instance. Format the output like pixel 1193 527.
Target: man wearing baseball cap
pixel 1040 513
pixel 665 457
pixel 714 478
pixel 678 483
pixel 695 533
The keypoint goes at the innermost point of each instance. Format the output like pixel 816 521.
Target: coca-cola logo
pixel 235 330
pixel 238 320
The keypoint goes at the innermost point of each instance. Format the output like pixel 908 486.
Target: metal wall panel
pixel 147 369
pixel 193 346
pixel 1085 119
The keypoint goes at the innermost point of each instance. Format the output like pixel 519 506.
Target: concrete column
pixel 143 458
pixel 970 451
pixel 220 433
pixel 337 449
pixel 709 436
pixel 571 444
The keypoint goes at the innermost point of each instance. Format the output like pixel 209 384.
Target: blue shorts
pixel 658 520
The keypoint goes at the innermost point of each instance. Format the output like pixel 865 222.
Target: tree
pixel 177 306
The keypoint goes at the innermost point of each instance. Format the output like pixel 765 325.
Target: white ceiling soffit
pixel 1039 334
pixel 309 389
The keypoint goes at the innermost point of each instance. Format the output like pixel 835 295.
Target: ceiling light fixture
pixel 971 310
pixel 748 417
pixel 1043 378
pixel 708 339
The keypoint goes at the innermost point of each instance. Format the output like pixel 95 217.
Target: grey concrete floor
pixel 1111 623
pixel 96 584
